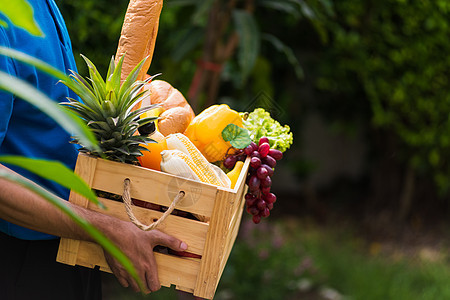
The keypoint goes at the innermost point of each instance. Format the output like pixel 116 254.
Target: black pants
pixel 28 270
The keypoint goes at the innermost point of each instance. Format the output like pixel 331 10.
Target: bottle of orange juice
pixel 152 158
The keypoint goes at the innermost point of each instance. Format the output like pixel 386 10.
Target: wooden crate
pixel 211 240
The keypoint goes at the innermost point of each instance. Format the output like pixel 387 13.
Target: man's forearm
pixel 20 206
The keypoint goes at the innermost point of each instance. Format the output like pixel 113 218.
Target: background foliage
pixel 376 67
pixel 380 66
pixel 387 61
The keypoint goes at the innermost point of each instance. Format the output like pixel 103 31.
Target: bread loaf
pixel 137 41
pixel 138 36
pixel 177 113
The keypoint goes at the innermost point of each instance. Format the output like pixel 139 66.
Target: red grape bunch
pixel 259 200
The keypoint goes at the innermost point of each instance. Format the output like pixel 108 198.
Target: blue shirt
pixel 25 130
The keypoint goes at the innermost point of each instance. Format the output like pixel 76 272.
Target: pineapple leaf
pixel 132 99
pixel 107 142
pixel 129 93
pixel 101 125
pixel 123 150
pixel 97 81
pixel 117 136
pixel 84 111
pixel 140 148
pixel 99 95
pixel 135 114
pixel 141 139
pixel 80 87
pixel 115 120
pixel 111 70
pixel 131 78
pixel 129 131
pixel 82 80
pixel 113 80
pixel 136 153
pixel 109 108
pixel 146 120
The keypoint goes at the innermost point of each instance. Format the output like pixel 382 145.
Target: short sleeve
pixel 6 99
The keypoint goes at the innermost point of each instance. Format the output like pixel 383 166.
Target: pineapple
pixel 107 109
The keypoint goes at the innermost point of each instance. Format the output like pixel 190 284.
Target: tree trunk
pixel 407 195
pixel 220 45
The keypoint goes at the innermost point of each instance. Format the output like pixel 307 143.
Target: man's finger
pixel 151 274
pixel 134 285
pixel 165 240
pixel 123 282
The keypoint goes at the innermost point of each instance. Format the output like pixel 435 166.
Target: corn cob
pixel 177 163
pixel 226 181
pixel 208 174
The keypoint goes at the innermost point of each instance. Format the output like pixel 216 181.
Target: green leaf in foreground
pixel 55 171
pixel 237 136
pixel 20 13
pixel 89 228
pixel 63 117
pixel 30 60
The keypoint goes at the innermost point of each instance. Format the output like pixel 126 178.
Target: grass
pixel 344 263
pixel 293 260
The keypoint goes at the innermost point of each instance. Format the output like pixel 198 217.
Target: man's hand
pixel 138 247
pixel 22 207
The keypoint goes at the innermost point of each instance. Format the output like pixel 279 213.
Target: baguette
pixel 138 36
pixel 137 40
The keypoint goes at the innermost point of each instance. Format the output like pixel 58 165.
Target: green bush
pixel 394 53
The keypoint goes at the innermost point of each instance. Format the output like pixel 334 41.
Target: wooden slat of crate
pixel 192 232
pixel 85 168
pixel 171 269
pixel 155 187
pixel 223 206
pixel 232 234
pixel 227 205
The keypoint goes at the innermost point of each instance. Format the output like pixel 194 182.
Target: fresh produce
pixel 106 108
pixel 260 124
pixel 263 159
pixel 177 163
pixel 175 113
pixel 138 36
pixel 206 172
pixel 205 131
pixel 234 174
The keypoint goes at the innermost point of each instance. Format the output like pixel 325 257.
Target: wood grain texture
pixel 68 248
pixel 172 270
pixel 213 240
pixel 209 274
pixel 192 232
pixel 155 187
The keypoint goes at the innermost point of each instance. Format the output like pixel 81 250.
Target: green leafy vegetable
pixel 238 137
pixel 259 123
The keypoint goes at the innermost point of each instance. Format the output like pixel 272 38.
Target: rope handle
pixel 127 201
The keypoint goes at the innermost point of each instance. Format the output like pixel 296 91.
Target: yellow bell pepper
pixel 234 174
pixel 205 130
